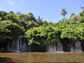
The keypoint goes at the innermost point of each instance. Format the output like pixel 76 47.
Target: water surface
pixel 42 57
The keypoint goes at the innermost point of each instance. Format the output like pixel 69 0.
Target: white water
pixel 55 47
pixel 76 47
pixel 19 45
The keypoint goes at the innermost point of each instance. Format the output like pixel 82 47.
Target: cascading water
pixel 76 47
pixel 51 47
pixel 19 45
pixel 55 47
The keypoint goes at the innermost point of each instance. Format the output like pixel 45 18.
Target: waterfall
pixel 76 47
pixel 55 47
pixel 19 45
pixel 51 47
pixel 59 46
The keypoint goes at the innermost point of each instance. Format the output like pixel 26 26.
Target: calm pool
pixel 42 57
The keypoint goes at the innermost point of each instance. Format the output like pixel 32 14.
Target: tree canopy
pixel 43 35
pixel 9 30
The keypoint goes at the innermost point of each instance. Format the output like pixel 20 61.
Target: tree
pixel 81 13
pixel 45 23
pixel 18 13
pixel 39 21
pixel 31 16
pixel 75 17
pixel 9 30
pixel 11 12
pixel 21 19
pixel 63 12
pixel 11 16
pixel 72 14
pixel 2 14
pixel 50 24
pixel 82 8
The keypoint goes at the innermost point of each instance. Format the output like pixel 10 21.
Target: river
pixel 42 57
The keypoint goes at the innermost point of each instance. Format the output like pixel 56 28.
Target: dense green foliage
pixel 73 29
pixel 38 31
pixel 43 35
pixel 9 30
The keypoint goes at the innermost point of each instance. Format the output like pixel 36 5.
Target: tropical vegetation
pixel 40 31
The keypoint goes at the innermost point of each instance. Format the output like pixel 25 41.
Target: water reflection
pixel 38 57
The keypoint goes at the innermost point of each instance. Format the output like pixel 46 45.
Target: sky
pixel 49 10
